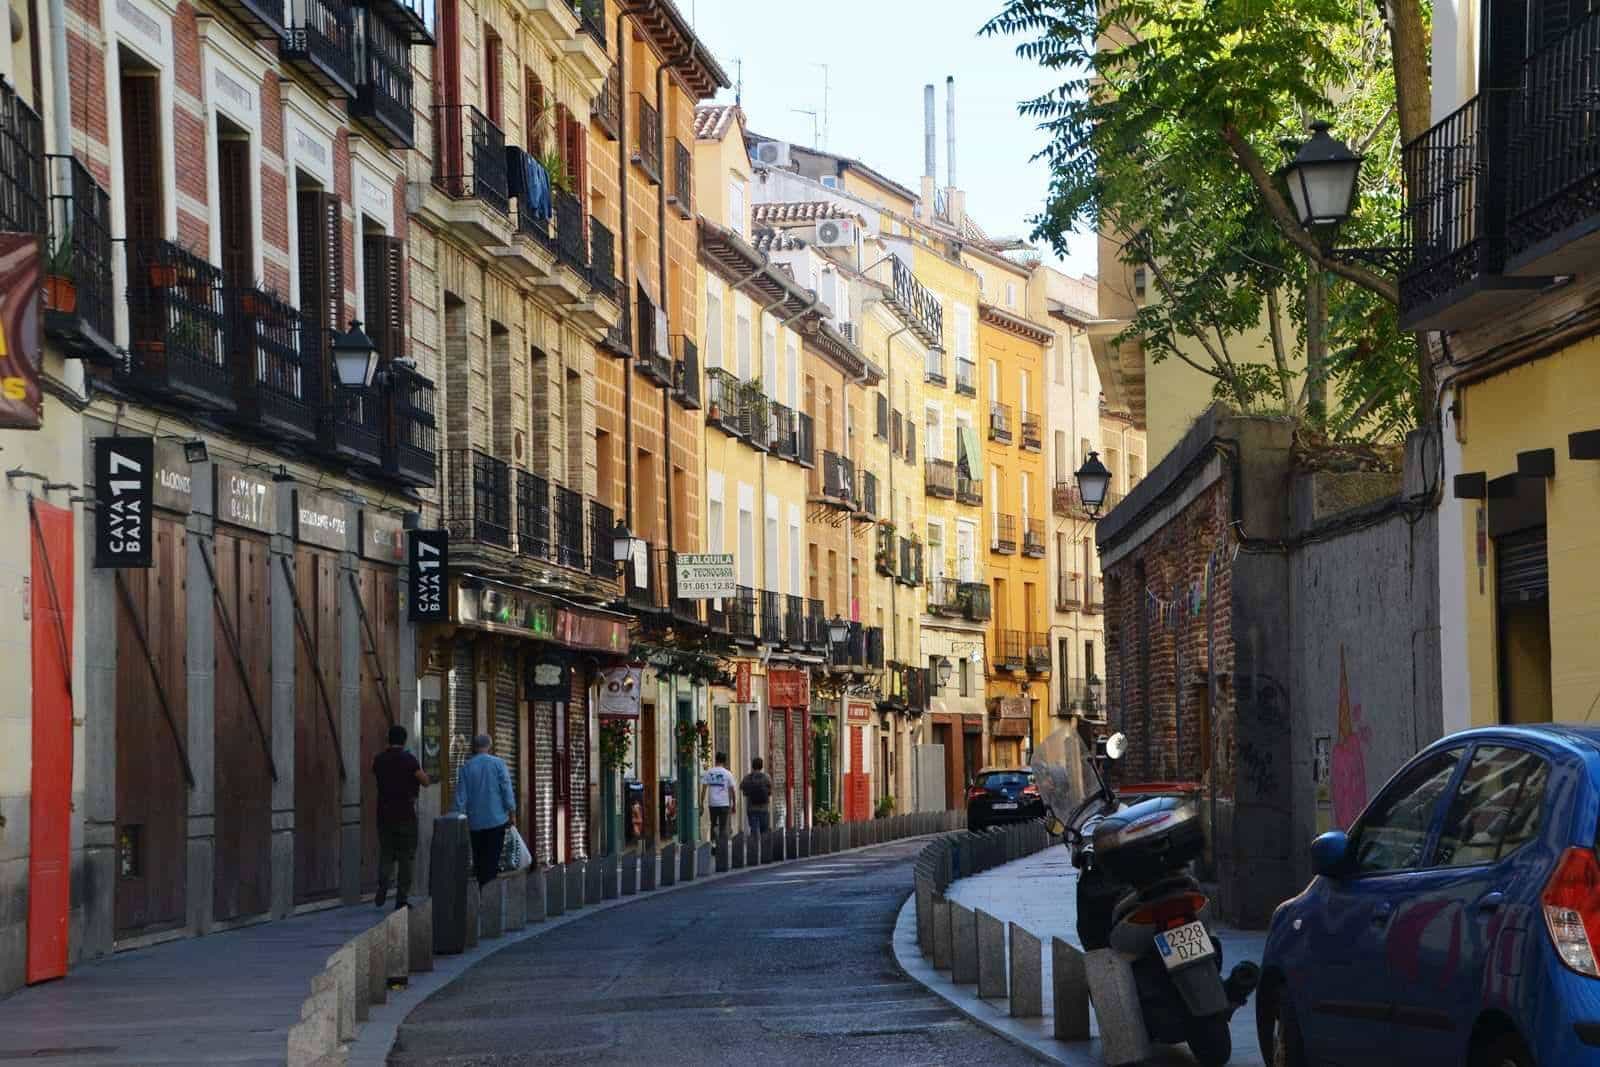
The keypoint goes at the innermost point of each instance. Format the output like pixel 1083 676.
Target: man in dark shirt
pixel 400 778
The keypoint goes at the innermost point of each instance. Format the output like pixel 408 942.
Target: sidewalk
pixel 1038 893
pixel 224 998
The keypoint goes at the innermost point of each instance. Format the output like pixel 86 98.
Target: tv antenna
pixel 813 114
pixel 825 94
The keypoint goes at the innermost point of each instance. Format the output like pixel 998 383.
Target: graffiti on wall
pixel 1349 757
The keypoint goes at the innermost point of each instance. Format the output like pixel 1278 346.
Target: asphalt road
pixel 789 965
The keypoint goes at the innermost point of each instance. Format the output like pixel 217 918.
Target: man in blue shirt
pixel 483 794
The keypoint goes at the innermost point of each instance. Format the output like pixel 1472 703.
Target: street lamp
pixel 1093 481
pixel 838 629
pixel 943 670
pixel 355 357
pixel 1095 690
pixel 1322 179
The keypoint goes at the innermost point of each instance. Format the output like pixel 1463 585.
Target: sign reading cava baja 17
pixel 21 403
pixel 706 577
pixel 429 564
pixel 124 491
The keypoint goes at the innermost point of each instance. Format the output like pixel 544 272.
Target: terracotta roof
pixel 792 212
pixel 711 121
pixel 775 241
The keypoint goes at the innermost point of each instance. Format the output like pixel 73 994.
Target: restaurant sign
pixel 788 688
pixel 21 342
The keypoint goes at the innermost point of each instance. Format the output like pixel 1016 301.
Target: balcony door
pixel 235 205
pixel 320 227
pixel 966 537
pixel 144 202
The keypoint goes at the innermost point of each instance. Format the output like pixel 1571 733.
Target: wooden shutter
pixel 493 77
pixel 534 114
pixel 883 416
pixel 141 150
pixel 383 276
pixel 236 211
pixel 321 235
pixel 911 441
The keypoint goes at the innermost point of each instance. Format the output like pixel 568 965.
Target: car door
pixel 1346 988
pixel 1439 944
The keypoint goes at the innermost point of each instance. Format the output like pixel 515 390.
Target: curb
pixel 376 1038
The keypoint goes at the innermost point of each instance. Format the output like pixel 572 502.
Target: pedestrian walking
pixel 400 778
pixel 716 791
pixel 757 790
pixel 483 794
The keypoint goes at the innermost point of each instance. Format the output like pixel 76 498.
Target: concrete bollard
pixel 703 860
pixel 1069 983
pixel 316 1035
pixel 474 912
pixel 419 932
pixel 515 897
pixel 397 948
pixel 941 934
pixel 805 843
pixel 343 968
pixel 447 883
pixel 991 955
pixel 649 869
pixel 534 907
pixel 925 893
pixel 630 874
pixel 1115 995
pixel 768 840
pixel 594 883
pixel 492 910
pixel 572 875
pixel 724 854
pixel 609 867
pixel 555 891
pixel 736 853
pixel 687 857
pixel 362 960
pixel 376 941
pixel 669 864
pixel 963 946
pixel 1027 975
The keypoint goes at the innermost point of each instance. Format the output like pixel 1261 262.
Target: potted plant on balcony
pixel 60 285
pixel 163 275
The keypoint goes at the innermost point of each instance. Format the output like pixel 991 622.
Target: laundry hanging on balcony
pixel 529 182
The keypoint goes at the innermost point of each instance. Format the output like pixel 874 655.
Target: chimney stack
pixel 950 125
pixel 929 152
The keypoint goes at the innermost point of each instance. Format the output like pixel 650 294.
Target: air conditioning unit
pixel 836 233
pixel 831 181
pixel 772 153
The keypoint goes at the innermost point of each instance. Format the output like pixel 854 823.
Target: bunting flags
pixel 1188 601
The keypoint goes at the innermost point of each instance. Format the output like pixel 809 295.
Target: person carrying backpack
pixel 757 790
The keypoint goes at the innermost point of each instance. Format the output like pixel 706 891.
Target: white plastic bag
pixel 514 854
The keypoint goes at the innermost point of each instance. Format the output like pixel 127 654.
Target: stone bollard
pixel 630 874
pixel 736 855
pixel 362 960
pixel 397 948
pixel 963 946
pixel 419 932
pixel 702 860
pixel 686 863
pixel 474 912
pixel 376 941
pixel 724 854
pixel 343 968
pixel 925 894
pixel 555 891
pixel 991 955
pixel 941 934
pixel 608 873
pixel 767 842
pixel 1027 976
pixel 534 907
pixel 805 843
pixel 447 883
pixel 572 875
pixel 1115 995
pixel 1069 991
pixel 492 910
pixel 649 869
pixel 516 900
pixel 669 864
pixel 594 883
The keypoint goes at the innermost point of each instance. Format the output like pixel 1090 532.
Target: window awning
pixel 970 455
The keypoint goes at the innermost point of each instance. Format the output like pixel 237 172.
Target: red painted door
pixel 856 790
pixel 50 806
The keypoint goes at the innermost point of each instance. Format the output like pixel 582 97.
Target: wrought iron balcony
pixel 1095 600
pixel 681 195
pixel 785 439
pixel 794 621
pixel 410 446
pixel 742 614
pixel 322 44
pixel 686 372
pixel 602 260
pixel 756 416
pixel 1069 591
pixel 1009 650
pixel 725 401
pixel 771 617
pixel 1000 423
pixel 862 648
pixel 869 494
pixel 602 521
pixel 978 601
pixel 352 427
pixel 469 160
pixel 966 377
pixel 1038 653
pixel 816 624
pixel 647 139
pixel 572 243
pixel 968 490
pixel 22 165
pixel 383 77
pixel 917 304
pixel 1033 538
pixel 619 336
pixel 534 530
pixel 569 528
pixel 910 561
pixel 1066 500
pixel 944 597
pixel 834 481
pixel 939 479
pixel 934 371
pixel 1032 431
pixel 646 592
pixel 1004 539
pixel 268 379
pixel 607 105
pixel 79 315
pixel 413 18
pixel 804 436
pixel 592 18
pixel 177 326
pixel 262 18
pixel 477 499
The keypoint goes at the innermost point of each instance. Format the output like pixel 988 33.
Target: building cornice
pixel 1014 324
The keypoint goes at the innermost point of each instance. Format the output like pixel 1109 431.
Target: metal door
pixel 779 771
pixel 541 793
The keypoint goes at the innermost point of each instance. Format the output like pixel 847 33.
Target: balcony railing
pixel 785 439
pixel 978 600
pixel 756 416
pixel 816 624
pixel 178 325
pixel 607 105
pixel 572 244
pixel 592 18
pixel 352 426
pixel 384 82
pixel 269 386
pixel 771 617
pixel 944 597
pixel 742 614
pixel 646 592
pixel 1033 538
pixel 1032 431
pixel 869 494
pixel 469 160
pixel 263 18
pixel 1000 423
pixel 681 196
pixel 80 317
pixel 1038 653
pixel 647 139
pixel 1095 601
pixel 966 377
pixel 477 501
pixel 686 371
pixel 534 531
pixel 969 490
pixel 933 373
pixel 602 259
pixel 917 302
pixel 862 648
pixel 724 400
pixel 910 561
pixel 1066 500
pixel 602 520
pixel 410 445
pixel 804 451
pixel 835 480
pixel 322 44
pixel 1010 650
pixel 939 478
pixel 1069 591
pixel 569 528
pixel 794 621
pixel 1004 539
pixel 22 165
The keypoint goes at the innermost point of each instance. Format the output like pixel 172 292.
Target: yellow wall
pixel 1536 406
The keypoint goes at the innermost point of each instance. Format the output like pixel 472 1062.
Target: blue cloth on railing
pixel 529 182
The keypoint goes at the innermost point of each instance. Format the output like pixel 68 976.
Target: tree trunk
pixel 1408 43
pixel 1316 346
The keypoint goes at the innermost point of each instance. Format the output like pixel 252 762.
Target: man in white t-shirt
pixel 717 788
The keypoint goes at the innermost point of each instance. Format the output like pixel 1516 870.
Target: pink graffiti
pixel 1348 770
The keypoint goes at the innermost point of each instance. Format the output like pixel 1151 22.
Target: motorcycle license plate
pixel 1185 945
pixel 1003 806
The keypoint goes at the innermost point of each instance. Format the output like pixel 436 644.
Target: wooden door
pixel 856 788
pixel 316 742
pixel 243 875
pixel 152 796
pixel 380 695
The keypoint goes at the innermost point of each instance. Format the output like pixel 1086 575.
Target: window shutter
pixel 534 118
pixel 233 181
pixel 883 416
pixel 321 284
pixel 911 441
pixel 141 143
pixel 383 280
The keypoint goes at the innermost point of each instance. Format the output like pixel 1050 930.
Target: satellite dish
pixel 1116 745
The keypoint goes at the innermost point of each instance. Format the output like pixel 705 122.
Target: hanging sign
pixel 859 712
pixel 620 688
pixel 788 688
pixel 705 577
pixel 124 491
pixel 21 344
pixel 429 563
pixel 741 682
pixel 547 679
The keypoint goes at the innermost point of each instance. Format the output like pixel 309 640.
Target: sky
pixel 880 53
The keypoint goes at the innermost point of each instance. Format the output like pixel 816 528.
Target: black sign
pixel 546 679
pixel 429 560
pixel 124 490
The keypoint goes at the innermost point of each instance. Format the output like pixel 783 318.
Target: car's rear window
pixel 1005 779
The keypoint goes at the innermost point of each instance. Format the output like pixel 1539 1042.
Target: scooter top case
pixel 1150 839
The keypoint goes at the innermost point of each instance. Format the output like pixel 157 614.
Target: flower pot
pixel 251 304
pixel 163 275
pixel 61 294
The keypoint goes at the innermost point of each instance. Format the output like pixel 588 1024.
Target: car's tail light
pixel 977 792
pixel 1170 912
pixel 1030 790
pixel 1572 909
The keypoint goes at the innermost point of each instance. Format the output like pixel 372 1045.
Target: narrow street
pixel 787 966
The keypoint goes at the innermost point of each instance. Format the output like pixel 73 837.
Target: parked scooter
pixel 1137 897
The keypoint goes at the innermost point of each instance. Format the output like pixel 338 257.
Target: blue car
pixel 1457 922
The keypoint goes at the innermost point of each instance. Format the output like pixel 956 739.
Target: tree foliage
pixel 1165 130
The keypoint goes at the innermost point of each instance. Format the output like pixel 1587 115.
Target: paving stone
pixel 1116 1005
pixel 941 934
pixel 1069 982
pixel 991 954
pixel 963 945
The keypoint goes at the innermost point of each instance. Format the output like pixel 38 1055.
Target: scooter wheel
pixel 1210 1040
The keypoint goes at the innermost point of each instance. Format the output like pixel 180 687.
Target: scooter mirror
pixel 1116 746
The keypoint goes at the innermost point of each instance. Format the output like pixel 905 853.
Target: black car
pixel 1000 795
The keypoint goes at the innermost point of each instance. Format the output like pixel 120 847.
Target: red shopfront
pixel 789 741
